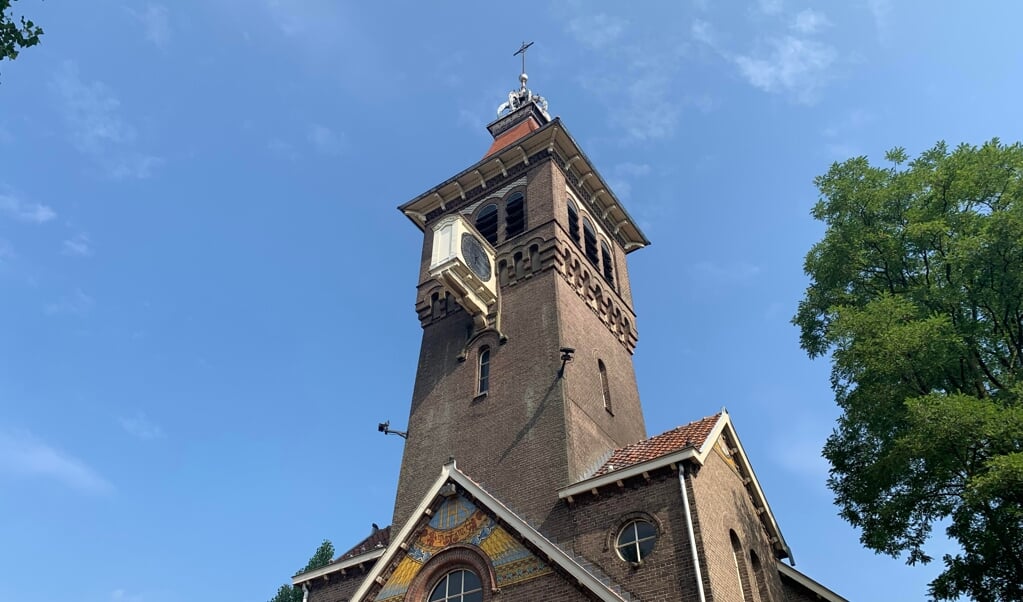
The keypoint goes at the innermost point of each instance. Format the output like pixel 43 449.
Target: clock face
pixel 476 256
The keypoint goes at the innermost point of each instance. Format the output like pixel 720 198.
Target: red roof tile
pixel 519 130
pixel 690 435
pixel 376 540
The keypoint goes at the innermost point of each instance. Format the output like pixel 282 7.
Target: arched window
pixel 740 568
pixel 484 371
pixel 607 263
pixel 605 390
pixel 515 215
pixel 573 223
pixel 458 586
pixel 758 577
pixel 486 223
pixel 590 241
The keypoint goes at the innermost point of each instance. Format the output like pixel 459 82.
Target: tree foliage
pixel 917 292
pixel 15 33
pixel 324 554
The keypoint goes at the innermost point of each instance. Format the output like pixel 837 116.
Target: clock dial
pixel 476 256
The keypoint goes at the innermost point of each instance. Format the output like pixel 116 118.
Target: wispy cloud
pixel 6 250
pixel 24 456
pixel 78 245
pixel 809 21
pixel 25 211
pixel 76 304
pixel 92 113
pixel 881 11
pixel 598 30
pixel 282 149
pixel 632 169
pixel 120 595
pixel 155 22
pixel 770 7
pixel 714 272
pixel 323 139
pixel 141 427
pixel 788 64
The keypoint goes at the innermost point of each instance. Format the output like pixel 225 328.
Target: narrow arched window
pixel 607 263
pixel 590 241
pixel 486 223
pixel 484 371
pixel 758 577
pixel 573 223
pixel 741 575
pixel 515 215
pixel 605 389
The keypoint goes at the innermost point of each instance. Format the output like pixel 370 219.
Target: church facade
pixel 527 471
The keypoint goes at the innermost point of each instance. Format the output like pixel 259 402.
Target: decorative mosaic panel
pixel 459 521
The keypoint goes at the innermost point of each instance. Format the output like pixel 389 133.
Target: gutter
pixel 692 535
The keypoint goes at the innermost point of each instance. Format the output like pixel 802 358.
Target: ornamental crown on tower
pixel 521 97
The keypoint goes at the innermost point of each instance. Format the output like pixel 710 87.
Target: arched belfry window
pixel 486 223
pixel 515 215
pixel 458 586
pixel 573 223
pixel 607 263
pixel 484 371
pixel 590 241
pixel 605 389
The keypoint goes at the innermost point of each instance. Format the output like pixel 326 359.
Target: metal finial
pixel 518 98
pixel 522 50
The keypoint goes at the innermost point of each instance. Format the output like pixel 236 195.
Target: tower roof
pixel 550 140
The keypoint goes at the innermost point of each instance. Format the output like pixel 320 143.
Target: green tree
pixel 917 292
pixel 15 33
pixel 324 554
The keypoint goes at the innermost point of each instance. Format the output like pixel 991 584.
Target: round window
pixel 458 586
pixel 636 540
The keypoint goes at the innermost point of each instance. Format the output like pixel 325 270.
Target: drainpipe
pixel 692 535
pixel 305 592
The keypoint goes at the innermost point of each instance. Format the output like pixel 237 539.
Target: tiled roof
pixel 378 539
pixel 690 435
pixel 519 130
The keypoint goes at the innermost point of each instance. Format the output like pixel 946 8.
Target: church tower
pixel 525 372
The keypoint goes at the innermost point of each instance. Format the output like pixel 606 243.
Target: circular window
pixel 636 540
pixel 458 586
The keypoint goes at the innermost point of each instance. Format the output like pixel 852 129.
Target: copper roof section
pixel 693 435
pixel 509 136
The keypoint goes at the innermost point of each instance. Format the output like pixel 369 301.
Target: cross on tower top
pixel 522 50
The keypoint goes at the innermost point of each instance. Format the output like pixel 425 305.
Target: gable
pixel 459 521
pixel 458 518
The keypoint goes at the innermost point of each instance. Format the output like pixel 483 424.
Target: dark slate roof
pixel 378 539
pixel 693 434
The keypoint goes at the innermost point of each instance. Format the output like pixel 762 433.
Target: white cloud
pixel 323 139
pixel 141 427
pixel 282 149
pixel 881 11
pixel 24 210
pixel 93 115
pixel 703 32
pixel 77 304
pixel 770 7
pixel 6 250
pixel 632 169
pixel 596 31
pixel 22 455
pixel 155 23
pixel 809 21
pixel 78 245
pixel 714 272
pixel 791 65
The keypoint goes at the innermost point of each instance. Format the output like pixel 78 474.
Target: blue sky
pixel 206 291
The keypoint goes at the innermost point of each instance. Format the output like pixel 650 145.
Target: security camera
pixel 383 426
